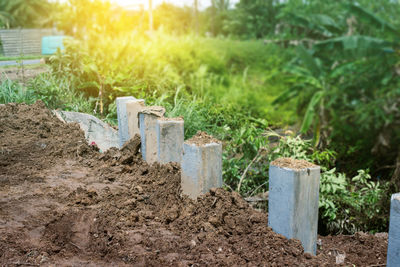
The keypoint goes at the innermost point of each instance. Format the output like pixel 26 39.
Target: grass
pixel 5 58
pixel 13 92
pixel 30 66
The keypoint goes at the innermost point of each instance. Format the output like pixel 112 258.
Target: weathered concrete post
pixel 201 165
pixel 293 200
pixel 123 119
pixel 148 117
pixel 170 138
pixel 393 255
pixel 132 109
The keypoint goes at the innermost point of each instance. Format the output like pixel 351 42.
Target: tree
pixel 25 13
pixel 347 87
pixel 254 18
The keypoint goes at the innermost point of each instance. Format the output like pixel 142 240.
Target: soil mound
pixel 64 203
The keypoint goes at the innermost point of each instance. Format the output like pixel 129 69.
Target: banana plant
pixel 317 74
pixel 311 80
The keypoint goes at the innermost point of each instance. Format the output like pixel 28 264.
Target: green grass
pixel 13 92
pixel 5 58
pixel 30 66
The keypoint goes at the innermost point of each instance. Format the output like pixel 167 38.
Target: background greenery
pixel 314 80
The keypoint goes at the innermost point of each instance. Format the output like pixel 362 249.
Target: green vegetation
pixel 3 58
pixel 329 71
pixel 22 13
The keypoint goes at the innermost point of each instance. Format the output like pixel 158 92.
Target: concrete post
pixel 393 255
pixel 132 109
pixel 293 200
pixel 148 117
pixel 123 131
pixel 170 138
pixel 201 167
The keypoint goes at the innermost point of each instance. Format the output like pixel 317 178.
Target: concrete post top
pixel 134 100
pixel 164 119
pixel 396 197
pixel 153 110
pixel 125 98
pixel 202 139
pixel 202 145
pixel 294 164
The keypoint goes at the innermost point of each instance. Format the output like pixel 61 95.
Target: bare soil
pixel 23 76
pixel 63 203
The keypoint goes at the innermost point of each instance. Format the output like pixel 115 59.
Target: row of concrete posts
pixel 162 141
pixel 293 188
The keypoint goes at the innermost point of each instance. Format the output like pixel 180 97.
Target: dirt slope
pixel 64 203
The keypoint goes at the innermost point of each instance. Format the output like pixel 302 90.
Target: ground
pixel 16 73
pixel 64 203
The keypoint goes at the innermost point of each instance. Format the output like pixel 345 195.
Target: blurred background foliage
pixel 315 80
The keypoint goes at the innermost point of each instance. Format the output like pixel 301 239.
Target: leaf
pixel 286 95
pixel 355 45
pixel 371 19
pixel 309 62
pixel 317 134
pixel 91 67
pixel 310 113
pixel 327 23
pixel 89 84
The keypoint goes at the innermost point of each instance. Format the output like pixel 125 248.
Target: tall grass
pixel 244 75
pixel 55 93
pixel 13 92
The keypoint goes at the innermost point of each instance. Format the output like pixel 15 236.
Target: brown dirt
pixel 295 164
pixel 202 138
pixel 63 203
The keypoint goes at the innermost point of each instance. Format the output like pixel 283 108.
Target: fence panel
pixel 16 42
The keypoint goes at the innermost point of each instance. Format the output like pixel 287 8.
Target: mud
pixel 63 203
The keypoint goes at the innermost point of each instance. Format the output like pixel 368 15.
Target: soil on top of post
pixel 63 203
pixel 295 164
pixel 202 138
pixel 171 119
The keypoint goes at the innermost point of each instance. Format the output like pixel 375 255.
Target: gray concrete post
pixel 170 138
pixel 132 109
pixel 123 131
pixel 201 168
pixel 148 117
pixel 393 255
pixel 293 201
